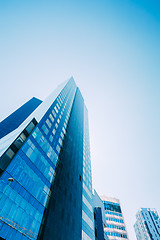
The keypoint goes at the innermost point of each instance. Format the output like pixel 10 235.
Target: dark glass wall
pixel 99 230
pixel 63 216
pixel 23 201
pixel 51 195
pixel 112 207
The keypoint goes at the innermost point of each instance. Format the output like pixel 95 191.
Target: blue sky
pixel 112 50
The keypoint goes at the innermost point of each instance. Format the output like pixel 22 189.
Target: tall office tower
pixel 45 177
pixel 115 227
pixel 147 225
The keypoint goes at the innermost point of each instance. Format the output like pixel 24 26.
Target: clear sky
pixel 112 49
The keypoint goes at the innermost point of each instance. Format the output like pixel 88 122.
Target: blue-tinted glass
pixel 45 159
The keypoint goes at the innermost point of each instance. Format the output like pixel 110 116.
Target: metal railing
pixel 20 229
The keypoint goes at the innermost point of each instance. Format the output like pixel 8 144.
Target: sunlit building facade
pixel 147 225
pixel 45 172
pixel 115 228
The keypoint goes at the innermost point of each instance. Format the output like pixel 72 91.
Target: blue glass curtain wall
pixel 87 203
pixel 23 202
pixel 63 217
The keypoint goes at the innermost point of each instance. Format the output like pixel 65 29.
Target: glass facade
pixel 87 200
pixel 115 226
pixel 51 195
pixel 99 225
pixel 147 224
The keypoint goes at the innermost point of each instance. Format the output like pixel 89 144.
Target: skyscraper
pixel 115 227
pixel 45 172
pixel 147 225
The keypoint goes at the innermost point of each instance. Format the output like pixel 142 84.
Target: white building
pixel 115 227
pixel 147 225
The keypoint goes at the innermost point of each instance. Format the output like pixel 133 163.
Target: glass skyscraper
pixel 115 228
pixel 45 171
pixel 147 225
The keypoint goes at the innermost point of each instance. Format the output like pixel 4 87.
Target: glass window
pixel 30 127
pixel 60 141
pixel 56 109
pixel 63 130
pixel 51 138
pixel 23 136
pixel 58 148
pixel 87 219
pixel 54 114
pixel 18 143
pixel 54 131
pixel 112 207
pixel 10 153
pixel 62 135
pixel 51 117
pixel 48 123
pixel 58 106
pixel 45 129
